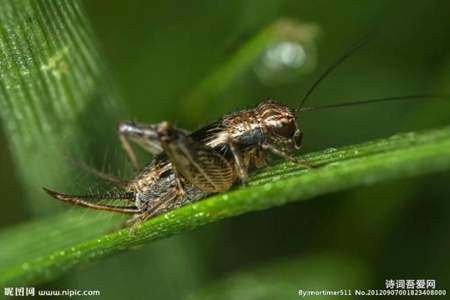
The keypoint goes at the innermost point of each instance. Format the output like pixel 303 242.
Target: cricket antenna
pixel 332 67
pixel 376 100
pixel 83 201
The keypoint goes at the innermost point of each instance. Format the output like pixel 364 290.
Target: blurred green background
pixel 160 53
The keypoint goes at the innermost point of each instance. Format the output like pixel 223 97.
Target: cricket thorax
pixel 238 127
pixel 244 128
pixel 269 121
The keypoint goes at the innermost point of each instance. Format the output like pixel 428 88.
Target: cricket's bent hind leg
pixel 285 155
pixel 160 205
pixel 144 135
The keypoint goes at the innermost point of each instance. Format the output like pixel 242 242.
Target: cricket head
pixel 280 124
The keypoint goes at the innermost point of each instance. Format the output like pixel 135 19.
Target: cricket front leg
pixel 240 165
pixel 278 152
pixel 260 159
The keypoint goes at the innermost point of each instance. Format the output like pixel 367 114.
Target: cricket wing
pixel 201 165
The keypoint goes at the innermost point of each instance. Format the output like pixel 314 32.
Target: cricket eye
pixel 286 129
pixel 298 138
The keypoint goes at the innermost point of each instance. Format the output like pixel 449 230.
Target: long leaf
pixel 52 85
pixel 336 169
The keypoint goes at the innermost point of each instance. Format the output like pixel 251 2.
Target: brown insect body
pixel 209 160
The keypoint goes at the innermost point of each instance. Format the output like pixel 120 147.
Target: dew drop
pixel 199 214
pixel 267 187
pixel 330 150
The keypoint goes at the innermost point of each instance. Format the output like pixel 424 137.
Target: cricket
pixel 189 166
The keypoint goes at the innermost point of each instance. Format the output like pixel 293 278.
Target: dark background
pixel 159 52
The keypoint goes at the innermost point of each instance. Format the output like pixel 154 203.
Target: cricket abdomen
pixel 156 186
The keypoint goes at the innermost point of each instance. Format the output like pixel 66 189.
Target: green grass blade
pixel 52 84
pixel 400 156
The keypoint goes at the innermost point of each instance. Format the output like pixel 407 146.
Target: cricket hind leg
pixel 83 201
pixel 141 217
pixel 159 205
pixel 144 135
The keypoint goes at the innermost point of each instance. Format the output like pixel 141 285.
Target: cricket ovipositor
pixel 189 166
